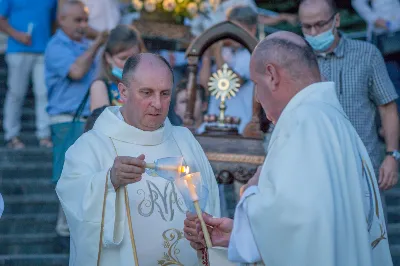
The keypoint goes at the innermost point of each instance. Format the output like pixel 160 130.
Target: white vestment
pixel 157 208
pixel 317 201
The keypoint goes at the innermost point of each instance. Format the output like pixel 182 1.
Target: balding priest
pixel 120 213
pixel 315 201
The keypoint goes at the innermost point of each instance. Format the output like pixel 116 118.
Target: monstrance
pixel 223 85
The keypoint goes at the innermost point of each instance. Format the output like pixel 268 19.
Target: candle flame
pixel 184 169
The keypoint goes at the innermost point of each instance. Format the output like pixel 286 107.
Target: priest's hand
pixel 220 230
pixel 127 170
pixel 388 173
pixel 190 231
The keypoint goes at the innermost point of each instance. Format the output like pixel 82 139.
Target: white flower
pixel 169 5
pixel 149 6
pixel 138 5
pixel 192 8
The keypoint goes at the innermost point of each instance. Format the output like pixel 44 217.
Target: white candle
pixel 191 187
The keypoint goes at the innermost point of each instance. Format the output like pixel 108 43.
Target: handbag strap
pixel 81 106
pixel 128 214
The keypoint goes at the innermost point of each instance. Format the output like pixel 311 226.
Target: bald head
pixel 73 19
pixel 288 51
pixel 68 7
pixel 328 6
pixel 144 60
pixel 281 65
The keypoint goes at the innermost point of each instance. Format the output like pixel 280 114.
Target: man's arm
pixel 390 121
pixel 22 37
pixel 383 94
pixel 365 11
pixel 83 63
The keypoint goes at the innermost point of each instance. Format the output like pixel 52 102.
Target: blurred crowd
pixel 74 53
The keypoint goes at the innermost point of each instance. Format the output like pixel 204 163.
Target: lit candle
pixel 195 198
pixel 191 187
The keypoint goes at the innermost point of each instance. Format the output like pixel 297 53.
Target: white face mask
pixel 322 41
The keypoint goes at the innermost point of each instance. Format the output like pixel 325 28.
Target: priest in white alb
pixel 118 211
pixel 315 201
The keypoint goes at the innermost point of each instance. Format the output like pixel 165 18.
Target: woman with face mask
pixel 124 41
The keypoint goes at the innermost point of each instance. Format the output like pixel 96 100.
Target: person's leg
pixel 40 90
pixel 19 70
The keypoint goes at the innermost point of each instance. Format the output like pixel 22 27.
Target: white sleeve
pixel 242 246
pixel 364 10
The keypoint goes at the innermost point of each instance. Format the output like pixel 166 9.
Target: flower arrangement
pixel 176 10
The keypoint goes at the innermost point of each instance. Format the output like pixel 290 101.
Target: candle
pixel 188 179
pixel 191 187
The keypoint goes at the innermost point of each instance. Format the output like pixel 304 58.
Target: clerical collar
pixel 112 124
pixel 121 117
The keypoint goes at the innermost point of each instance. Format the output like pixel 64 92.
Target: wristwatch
pixel 395 154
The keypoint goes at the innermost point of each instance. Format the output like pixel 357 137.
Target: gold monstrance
pixel 223 84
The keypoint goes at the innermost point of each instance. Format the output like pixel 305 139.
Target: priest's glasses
pixel 169 168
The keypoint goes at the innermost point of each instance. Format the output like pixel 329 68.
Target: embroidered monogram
pixel 165 203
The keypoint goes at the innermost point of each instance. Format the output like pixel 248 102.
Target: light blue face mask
pixel 117 72
pixel 322 41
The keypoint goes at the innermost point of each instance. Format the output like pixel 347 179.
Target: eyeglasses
pixel 318 26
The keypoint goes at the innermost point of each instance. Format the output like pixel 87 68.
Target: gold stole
pixel 128 214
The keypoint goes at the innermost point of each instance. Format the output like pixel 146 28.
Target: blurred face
pixel 317 18
pixel 120 58
pixel 181 103
pixel 148 96
pixel 74 22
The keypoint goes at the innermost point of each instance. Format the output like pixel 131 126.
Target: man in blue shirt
pixel 29 26
pixel 69 70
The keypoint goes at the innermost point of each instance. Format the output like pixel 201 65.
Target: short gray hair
pixel 243 14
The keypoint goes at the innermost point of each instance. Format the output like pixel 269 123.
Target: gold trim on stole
pixel 128 214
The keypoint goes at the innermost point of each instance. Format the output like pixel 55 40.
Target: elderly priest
pixel 315 201
pixel 120 213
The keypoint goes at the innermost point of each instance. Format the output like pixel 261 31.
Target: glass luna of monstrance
pixel 223 84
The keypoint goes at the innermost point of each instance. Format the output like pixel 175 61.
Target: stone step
pixel 29 138
pixel 30 204
pixel 29 154
pixel 393 231
pixel 25 170
pixel 28 103
pixel 393 196
pixel 25 186
pixel 26 125
pixel 393 214
pixel 35 259
pixel 28 223
pixel 29 244
pixel 28 113
pixel 395 251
